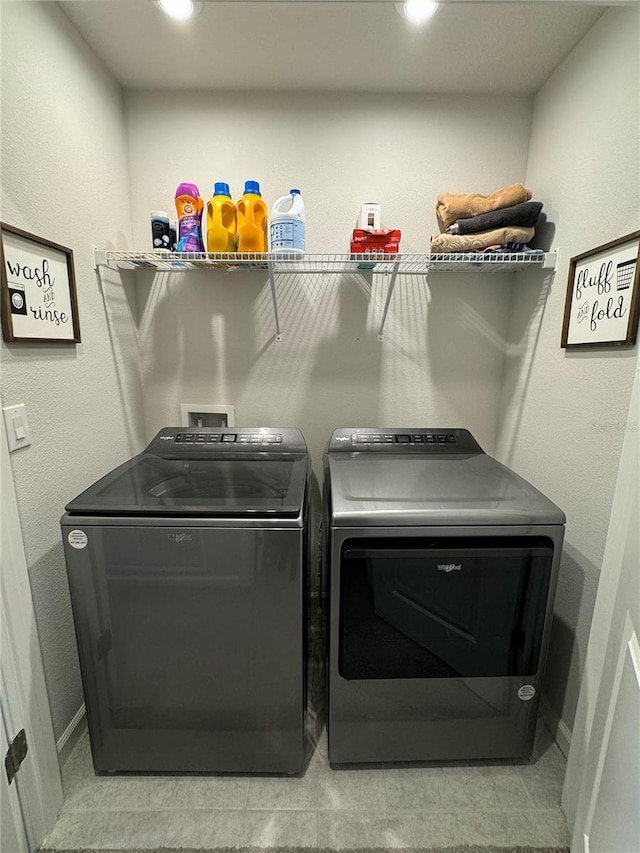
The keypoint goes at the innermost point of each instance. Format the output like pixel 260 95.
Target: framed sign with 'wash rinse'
pixel 38 289
pixel 603 298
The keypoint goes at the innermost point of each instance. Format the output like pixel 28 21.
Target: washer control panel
pixel 227 438
pixel 221 439
pixel 404 440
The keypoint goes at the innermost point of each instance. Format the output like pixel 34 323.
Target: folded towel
pixel 451 207
pixel 525 215
pixel 444 243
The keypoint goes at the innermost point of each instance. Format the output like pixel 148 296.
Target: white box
pixel 369 219
pixel 207 415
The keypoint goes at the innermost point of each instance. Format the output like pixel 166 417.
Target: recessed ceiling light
pixel 417 10
pixel 179 9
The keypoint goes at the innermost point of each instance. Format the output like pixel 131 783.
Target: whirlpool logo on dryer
pixel 180 537
pixel 449 567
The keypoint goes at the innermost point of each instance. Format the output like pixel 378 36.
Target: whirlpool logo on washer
pixel 180 537
pixel 449 567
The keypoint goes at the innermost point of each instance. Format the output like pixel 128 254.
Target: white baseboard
pixel 71 735
pixel 558 728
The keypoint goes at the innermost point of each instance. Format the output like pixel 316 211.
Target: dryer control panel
pixel 404 440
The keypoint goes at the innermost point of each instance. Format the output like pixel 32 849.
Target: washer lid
pixel 200 478
pixel 371 489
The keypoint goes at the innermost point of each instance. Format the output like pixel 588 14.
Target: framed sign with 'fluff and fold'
pixel 603 295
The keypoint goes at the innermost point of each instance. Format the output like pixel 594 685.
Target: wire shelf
pixel 277 263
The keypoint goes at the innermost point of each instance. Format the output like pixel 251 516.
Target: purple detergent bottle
pixel 189 207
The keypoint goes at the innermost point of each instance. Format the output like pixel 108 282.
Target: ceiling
pixel 466 48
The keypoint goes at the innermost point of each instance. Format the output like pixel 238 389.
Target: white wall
pixel 65 178
pixel 208 338
pixel 564 412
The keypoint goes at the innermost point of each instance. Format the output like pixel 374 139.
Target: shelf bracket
pixel 99 257
pixel 551 260
pixel 272 283
pixel 392 284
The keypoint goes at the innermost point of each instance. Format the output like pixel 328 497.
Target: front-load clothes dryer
pixel 442 567
pixel 187 568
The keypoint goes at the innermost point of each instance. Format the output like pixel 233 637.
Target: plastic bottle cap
pixel 187 189
pixel 159 214
pixel 294 192
pixel 252 187
pixel 220 188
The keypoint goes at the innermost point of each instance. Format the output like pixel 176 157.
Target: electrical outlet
pixel 16 426
pixel 207 415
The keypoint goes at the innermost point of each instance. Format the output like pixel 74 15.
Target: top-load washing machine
pixel 188 568
pixel 442 567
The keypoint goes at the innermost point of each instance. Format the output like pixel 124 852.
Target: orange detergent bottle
pixel 221 220
pixel 252 219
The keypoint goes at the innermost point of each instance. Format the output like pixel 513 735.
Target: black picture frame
pixel 37 289
pixel 602 304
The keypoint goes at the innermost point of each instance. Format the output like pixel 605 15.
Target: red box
pixel 375 242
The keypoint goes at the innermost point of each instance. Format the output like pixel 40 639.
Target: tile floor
pixel 501 804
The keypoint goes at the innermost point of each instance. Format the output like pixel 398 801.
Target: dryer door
pixel 442 607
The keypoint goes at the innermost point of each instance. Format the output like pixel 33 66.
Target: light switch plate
pixel 16 426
